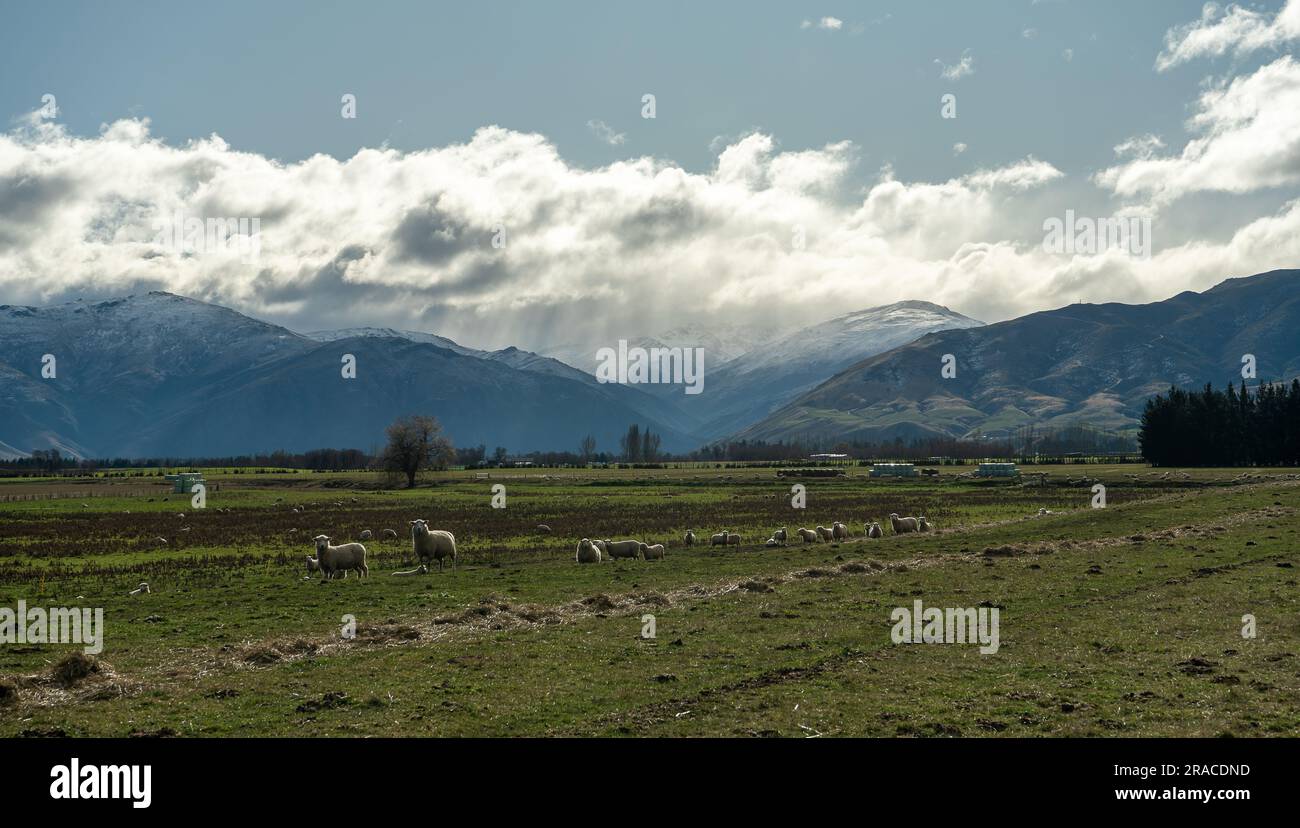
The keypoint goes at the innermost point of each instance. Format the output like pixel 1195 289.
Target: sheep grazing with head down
pixel 690 538
pixel 779 536
pixel 622 549
pixel 771 542
pixel 652 551
pixel 140 590
pixel 874 531
pixel 901 525
pixel 808 535
pixel 587 552
pixel 839 531
pixel 343 558
pixel 432 544
pixel 720 539
pixel 366 535
pixel 389 534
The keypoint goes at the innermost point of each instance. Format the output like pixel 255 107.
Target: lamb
pixel 779 535
pixel 839 531
pixel 623 548
pixel 825 534
pixel 922 525
pixel 143 588
pixel 390 534
pixel 901 525
pixel 771 542
pixel 366 535
pixel 419 570
pixel 652 552
pixel 874 531
pixel 808 535
pixel 720 539
pixel 733 539
pixel 588 552
pixel 432 544
pixel 690 538
pixel 343 558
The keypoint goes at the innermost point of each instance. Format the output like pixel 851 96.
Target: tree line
pixel 1234 427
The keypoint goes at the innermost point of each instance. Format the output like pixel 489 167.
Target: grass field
pixel 1119 621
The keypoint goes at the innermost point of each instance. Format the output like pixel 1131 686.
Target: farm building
pixel 183 483
pixel 997 470
pixel 893 470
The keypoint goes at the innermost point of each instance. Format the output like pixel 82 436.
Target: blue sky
pixel 773 120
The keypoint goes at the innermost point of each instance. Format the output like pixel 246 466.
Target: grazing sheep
pixel 623 548
pixel 142 588
pixel 825 534
pixel 808 535
pixel 389 534
pixel 839 531
pixel 543 529
pixel 733 539
pixel 901 525
pixel 690 538
pixel 780 535
pixel 432 544
pixel 588 552
pixel 719 539
pixel 343 558
pixel 366 535
pixel 652 551
pixel 419 570
pixel 922 525
pixel 771 542
pixel 874 531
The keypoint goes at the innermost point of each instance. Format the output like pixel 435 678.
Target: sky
pixel 501 183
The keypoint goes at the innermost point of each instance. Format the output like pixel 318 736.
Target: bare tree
pixel 416 443
pixel 588 448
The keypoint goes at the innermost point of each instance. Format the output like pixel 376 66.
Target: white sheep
pixel 771 542
pixel 733 539
pixel 343 558
pixel 600 544
pixel 588 552
pixel 143 588
pixel 808 535
pixel 839 531
pixel 901 525
pixel 780 535
pixel 366 535
pixel 690 538
pixel 652 551
pixel 720 539
pixel 390 534
pixel 824 534
pixel 922 525
pixel 874 531
pixel 543 529
pixel 432 544
pixel 622 549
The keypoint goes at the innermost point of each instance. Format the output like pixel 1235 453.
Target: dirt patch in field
pixel 75 679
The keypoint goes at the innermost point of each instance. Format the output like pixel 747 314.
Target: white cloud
pixel 1235 30
pixel 1029 33
pixel 832 24
pixel 1068 55
pixel 958 70
pixel 604 132
pixel 958 148
pixel 1247 138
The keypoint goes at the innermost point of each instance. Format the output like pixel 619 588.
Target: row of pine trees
pixel 1236 427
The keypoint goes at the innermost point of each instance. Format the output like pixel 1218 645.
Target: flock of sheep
pixel 594 551
pixel 431 545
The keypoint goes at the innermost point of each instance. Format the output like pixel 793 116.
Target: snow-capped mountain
pixel 722 342
pixel 747 388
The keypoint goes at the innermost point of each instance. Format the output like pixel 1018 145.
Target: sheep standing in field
pixel 587 552
pixel 824 534
pixel 874 531
pixel 733 539
pixel 313 565
pixel 142 589
pixel 389 534
pixel 780 536
pixel 343 558
pixel 432 544
pixel 839 531
pixel 622 549
pixel 690 538
pixel 808 535
pixel 922 525
pixel 901 525
pixel 652 551
pixel 366 535
pixel 720 539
